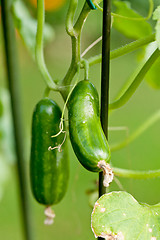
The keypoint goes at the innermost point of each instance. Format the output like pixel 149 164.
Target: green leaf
pixel 27 26
pixel 156 16
pixel 119 216
pixel 130 28
pixel 157 35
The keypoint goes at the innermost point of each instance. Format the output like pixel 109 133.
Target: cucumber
pixel 87 137
pixel 49 169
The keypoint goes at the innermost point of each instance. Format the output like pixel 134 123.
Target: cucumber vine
pixel 74 30
pixel 80 63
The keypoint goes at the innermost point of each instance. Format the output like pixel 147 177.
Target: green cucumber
pixel 87 137
pixel 49 169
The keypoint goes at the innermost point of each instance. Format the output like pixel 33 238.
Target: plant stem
pixel 132 46
pixel 148 123
pixel 39 46
pixel 136 82
pixel 124 50
pixel 70 17
pixel 82 17
pixel 151 7
pixel 125 173
pixel 72 69
pixel 75 33
pixel 105 78
pixel 12 74
pixel 75 50
pixel 86 68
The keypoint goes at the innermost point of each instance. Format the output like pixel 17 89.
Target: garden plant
pixel 82 121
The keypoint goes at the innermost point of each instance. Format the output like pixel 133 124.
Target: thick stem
pixel 75 33
pixel 81 19
pixel 12 74
pixel 73 67
pixel 105 77
pixel 70 17
pixel 136 82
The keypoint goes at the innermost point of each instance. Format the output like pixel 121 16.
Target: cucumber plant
pixel 115 213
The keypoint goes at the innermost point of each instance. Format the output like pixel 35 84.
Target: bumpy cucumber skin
pixel 49 169
pixel 87 137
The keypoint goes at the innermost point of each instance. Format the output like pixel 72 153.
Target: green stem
pixel 65 86
pixel 13 82
pixel 46 92
pixel 39 46
pixel 81 19
pixel 151 7
pixel 75 33
pixel 125 173
pixel 153 119
pixel 132 46
pixel 124 50
pixel 66 81
pixel 70 17
pixel 86 68
pixel 136 82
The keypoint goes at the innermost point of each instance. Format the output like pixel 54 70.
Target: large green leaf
pixel 156 16
pixel 117 215
pixel 27 26
pixel 130 28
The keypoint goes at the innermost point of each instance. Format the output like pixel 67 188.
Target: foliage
pixel 27 26
pixel 115 213
pixel 129 27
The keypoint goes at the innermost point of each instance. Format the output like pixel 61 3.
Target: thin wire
pixel 91 46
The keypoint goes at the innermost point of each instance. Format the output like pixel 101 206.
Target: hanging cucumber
pixel 87 137
pixel 49 167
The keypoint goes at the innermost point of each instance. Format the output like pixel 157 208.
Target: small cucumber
pixel 49 169
pixel 87 137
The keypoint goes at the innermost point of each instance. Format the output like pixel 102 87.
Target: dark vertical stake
pixel 12 75
pixel 105 76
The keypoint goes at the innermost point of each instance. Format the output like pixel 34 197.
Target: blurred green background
pixel 73 213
